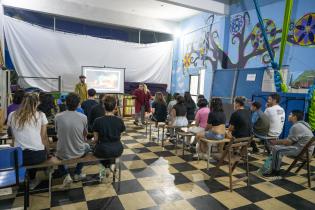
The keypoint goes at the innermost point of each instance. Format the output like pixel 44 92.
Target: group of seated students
pixel 28 124
pixel 28 119
pixel 210 123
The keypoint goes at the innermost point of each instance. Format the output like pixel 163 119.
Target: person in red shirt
pixel 140 102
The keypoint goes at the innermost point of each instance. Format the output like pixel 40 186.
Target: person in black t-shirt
pixel 159 108
pixel 90 102
pixel 240 121
pixel 97 111
pixel 107 132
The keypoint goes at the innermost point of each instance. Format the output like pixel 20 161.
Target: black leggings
pixel 31 157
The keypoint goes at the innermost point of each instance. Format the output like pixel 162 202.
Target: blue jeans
pixel 78 169
pixel 65 169
pixel 211 135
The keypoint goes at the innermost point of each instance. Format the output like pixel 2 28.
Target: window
pixel 197 84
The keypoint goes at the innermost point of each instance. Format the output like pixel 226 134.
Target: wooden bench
pixel 210 143
pixel 54 161
pixel 235 152
pixel 185 135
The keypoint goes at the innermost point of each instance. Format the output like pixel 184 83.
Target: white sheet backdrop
pixel 37 51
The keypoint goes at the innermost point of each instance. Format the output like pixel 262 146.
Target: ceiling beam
pixel 212 6
pixel 95 14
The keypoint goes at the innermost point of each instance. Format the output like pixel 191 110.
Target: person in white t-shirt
pixel 276 115
pixel 30 133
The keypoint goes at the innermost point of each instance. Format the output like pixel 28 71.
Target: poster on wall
pixel 105 79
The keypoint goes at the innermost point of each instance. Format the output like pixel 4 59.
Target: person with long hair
pixel 159 109
pixel 191 106
pixel 215 128
pixel 29 129
pixel 179 112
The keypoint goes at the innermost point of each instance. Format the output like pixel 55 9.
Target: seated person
pixel 96 111
pixel 215 128
pixel 29 132
pixel 47 106
pixel 300 133
pixel 107 132
pixel 17 100
pixel 159 109
pixel 240 121
pixel 260 123
pixel 179 112
pixel 201 117
pixel 90 102
pixel 190 106
pixel 170 106
pixel 71 127
pixel 276 115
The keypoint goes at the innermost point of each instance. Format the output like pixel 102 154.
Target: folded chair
pixel 305 157
pixel 235 152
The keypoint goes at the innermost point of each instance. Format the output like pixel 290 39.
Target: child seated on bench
pixel 71 127
pixel 107 132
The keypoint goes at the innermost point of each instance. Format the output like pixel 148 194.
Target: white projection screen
pixel 105 79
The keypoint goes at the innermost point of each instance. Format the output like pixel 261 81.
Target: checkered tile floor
pixel 156 178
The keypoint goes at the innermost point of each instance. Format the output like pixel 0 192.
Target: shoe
pixel 136 123
pixel 255 150
pixel 67 181
pixel 101 173
pixel 34 183
pixel 79 177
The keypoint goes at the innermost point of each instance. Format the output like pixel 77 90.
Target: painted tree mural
pixel 249 45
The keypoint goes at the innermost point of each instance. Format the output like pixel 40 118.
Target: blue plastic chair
pixel 12 172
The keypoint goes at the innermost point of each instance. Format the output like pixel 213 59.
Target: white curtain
pixel 41 52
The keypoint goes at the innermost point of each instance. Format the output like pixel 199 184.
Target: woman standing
pixel 29 132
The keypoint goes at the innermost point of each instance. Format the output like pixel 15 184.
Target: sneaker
pixel 255 150
pixel 101 173
pixel 34 183
pixel 136 123
pixel 79 177
pixel 67 181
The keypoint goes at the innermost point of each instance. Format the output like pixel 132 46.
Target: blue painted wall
pixel 225 50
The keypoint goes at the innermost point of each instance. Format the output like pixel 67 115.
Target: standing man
pixel 140 100
pixel 81 89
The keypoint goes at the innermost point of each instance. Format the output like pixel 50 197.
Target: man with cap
pixel 81 89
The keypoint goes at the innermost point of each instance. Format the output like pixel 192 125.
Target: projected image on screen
pixel 105 80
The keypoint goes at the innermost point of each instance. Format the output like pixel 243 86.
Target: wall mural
pixel 208 50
